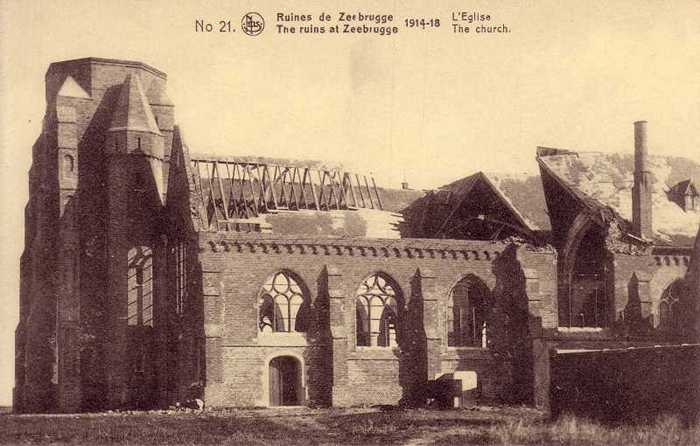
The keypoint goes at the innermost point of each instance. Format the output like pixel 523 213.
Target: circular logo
pixel 252 24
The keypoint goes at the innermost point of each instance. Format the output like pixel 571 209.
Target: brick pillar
pixel 69 391
pixel 542 377
pixel 69 394
pixel 116 363
pixel 162 319
pixel 212 299
pixel 431 321
pixel 338 313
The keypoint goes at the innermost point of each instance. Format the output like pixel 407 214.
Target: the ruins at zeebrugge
pixel 152 274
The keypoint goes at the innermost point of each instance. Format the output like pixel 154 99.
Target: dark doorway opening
pixel 588 295
pixel 285 381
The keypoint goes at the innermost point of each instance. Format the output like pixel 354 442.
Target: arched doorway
pixel 285 381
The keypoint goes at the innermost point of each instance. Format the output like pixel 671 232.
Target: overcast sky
pixel 430 106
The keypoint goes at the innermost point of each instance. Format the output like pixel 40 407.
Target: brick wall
pixel 337 371
pixel 653 275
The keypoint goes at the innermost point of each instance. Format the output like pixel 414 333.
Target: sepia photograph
pixel 350 222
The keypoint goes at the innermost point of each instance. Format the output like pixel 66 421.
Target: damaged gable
pixel 604 181
pixel 482 206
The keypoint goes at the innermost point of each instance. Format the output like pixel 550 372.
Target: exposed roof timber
pixel 232 190
pixel 481 176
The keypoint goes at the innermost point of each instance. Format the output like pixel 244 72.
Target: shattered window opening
pixel 669 308
pixel 140 287
pixel 467 315
pixel 376 313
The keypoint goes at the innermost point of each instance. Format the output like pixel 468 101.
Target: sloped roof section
pixel 522 192
pixel 133 111
pixel 684 187
pixel 525 194
pixel 396 200
pixel 606 179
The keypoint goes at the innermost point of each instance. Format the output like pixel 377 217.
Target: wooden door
pixel 285 381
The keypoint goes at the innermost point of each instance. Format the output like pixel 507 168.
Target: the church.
pixel 152 274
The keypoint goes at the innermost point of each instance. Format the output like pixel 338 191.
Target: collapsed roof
pixel 293 197
pixel 606 180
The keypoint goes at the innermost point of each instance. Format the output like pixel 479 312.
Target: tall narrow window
pixel 68 165
pixel 283 304
pixel 140 287
pixel 669 317
pixel 180 277
pixel 467 314
pixel 376 312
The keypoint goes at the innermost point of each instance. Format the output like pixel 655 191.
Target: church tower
pixel 93 269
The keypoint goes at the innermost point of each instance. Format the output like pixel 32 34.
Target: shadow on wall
pixel 510 328
pixel 320 378
pixel 513 326
pixel 413 363
pixel 677 313
pixel 633 322
pixel 93 265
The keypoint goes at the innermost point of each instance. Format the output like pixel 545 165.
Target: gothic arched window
pixel 467 314
pixel 669 314
pixel 283 304
pixel 376 312
pixel 140 287
pixel 68 165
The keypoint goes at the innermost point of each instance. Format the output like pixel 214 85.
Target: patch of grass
pixel 570 430
pixel 507 426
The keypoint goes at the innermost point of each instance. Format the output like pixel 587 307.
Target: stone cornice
pixel 407 248
pixel 103 61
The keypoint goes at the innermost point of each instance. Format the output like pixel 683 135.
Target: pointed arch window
pixel 283 305
pixel 140 287
pixel 376 312
pixel 467 314
pixel 68 165
pixel 669 308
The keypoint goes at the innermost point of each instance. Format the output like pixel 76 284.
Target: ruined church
pixel 152 274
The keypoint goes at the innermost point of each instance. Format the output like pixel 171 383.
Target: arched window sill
pixel 375 352
pixel 465 348
pixel 470 352
pixel 581 329
pixel 377 347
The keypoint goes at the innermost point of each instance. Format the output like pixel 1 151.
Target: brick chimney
pixel 641 192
